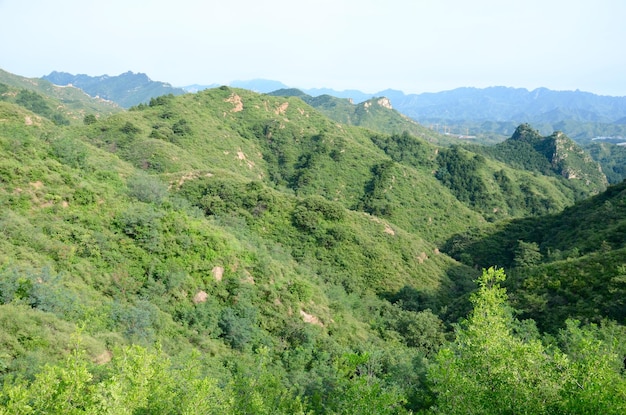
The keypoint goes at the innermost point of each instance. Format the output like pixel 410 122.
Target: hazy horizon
pixel 411 46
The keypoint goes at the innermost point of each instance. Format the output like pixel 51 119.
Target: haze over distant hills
pixel 495 103
pixel 493 112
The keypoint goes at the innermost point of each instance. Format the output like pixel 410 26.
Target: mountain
pixel 499 104
pixel 67 104
pixel 506 104
pixel 498 110
pixel 235 252
pixel 580 115
pixel 554 154
pixel 376 113
pixel 127 89
pixel 487 115
pixel 221 225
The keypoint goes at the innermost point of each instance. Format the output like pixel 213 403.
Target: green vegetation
pixel 376 114
pixel 62 104
pixel 491 114
pixel 230 252
pixel 612 158
pixel 126 90
pixel 498 364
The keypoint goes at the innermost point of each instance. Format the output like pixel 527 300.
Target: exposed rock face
pixel 200 297
pixel 310 318
pixel 218 273
pixel 384 102
pixel 566 158
pixel 236 101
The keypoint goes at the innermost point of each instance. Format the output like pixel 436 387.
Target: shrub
pixel 147 188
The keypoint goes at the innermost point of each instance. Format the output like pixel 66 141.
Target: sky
pixel 414 46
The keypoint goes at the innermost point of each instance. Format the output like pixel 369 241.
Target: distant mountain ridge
pixel 500 103
pixel 73 103
pixel 498 110
pixel 494 110
pixel 495 103
pixel 462 111
pixel 127 89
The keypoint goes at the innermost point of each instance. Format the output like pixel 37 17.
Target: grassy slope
pixel 93 240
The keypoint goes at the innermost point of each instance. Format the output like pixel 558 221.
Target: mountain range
pixel 229 251
pixel 127 89
pixel 461 112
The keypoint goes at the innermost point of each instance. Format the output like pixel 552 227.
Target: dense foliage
pixel 230 252
pixel 612 158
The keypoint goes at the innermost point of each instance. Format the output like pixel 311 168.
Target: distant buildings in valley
pixel 447 130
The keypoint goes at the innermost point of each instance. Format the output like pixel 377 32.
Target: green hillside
pixel 554 155
pixel 232 252
pixel 376 114
pixel 206 246
pixel 67 104
pixel 612 158
pixel 570 264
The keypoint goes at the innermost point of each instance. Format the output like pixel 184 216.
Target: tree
pixel 488 369
pixel 498 365
pixel 594 384
pixel 89 119
pixel 527 254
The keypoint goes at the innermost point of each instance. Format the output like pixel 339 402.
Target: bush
pixel 89 119
pixel 142 223
pixel 147 189
pixel 69 152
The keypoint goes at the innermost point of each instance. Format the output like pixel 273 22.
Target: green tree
pixel 526 254
pixel 497 365
pixel 89 119
pixel 594 384
pixel 490 370
pixel 57 389
pixel 361 389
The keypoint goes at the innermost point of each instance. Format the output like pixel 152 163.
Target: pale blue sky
pixel 411 45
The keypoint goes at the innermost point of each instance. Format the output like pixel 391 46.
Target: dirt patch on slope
pixel 310 318
pixel 236 101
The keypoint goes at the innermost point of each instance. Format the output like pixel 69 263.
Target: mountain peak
pixel 382 102
pixel 525 133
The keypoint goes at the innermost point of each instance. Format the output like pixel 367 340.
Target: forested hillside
pixel 612 158
pixel 232 252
